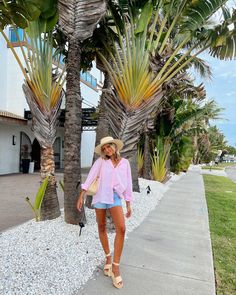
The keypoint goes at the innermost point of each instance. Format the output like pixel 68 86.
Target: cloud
pixel 231 93
pixel 228 74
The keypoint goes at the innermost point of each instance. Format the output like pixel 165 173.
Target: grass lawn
pixel 220 166
pixel 221 201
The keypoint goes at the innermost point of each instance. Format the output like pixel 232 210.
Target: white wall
pixel 3 74
pixel 96 73
pixel 87 148
pixel 9 153
pixel 16 101
pixel 91 97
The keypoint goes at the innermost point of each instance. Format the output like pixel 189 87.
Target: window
pixel 87 77
pixel 16 34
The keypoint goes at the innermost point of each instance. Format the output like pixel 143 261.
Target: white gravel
pixel 50 258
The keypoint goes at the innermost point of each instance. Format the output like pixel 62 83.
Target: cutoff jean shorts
pixel 117 202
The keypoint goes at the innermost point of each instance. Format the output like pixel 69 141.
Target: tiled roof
pixel 11 115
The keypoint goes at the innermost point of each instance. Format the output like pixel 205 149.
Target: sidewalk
pixel 170 252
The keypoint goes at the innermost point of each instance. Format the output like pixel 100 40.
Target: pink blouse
pixel 111 179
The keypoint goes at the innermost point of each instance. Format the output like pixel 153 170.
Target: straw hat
pixel 106 140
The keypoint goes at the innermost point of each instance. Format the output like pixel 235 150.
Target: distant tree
pixel 231 150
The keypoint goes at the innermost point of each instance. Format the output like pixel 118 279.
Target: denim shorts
pixel 117 202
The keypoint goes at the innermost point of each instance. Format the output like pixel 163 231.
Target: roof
pixel 11 117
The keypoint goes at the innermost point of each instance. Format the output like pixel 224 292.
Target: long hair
pixel 114 148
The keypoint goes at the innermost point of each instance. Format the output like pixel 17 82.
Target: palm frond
pixel 159 160
pixel 129 70
pixel 79 18
pixel 202 67
pixel 222 38
pixel 127 124
pixel 44 123
pixel 140 159
pixel 197 12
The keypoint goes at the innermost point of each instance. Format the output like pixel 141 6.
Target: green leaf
pixel 20 21
pixel 199 11
pixel 221 40
pixel 144 18
pixel 226 13
pixel 49 23
pixel 33 11
pixel 49 9
pixel 40 194
pixel 61 184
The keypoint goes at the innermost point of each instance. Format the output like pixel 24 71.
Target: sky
pixel 222 88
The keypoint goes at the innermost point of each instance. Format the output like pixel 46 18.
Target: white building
pixel 16 138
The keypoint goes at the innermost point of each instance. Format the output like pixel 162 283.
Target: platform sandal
pixel 107 267
pixel 117 281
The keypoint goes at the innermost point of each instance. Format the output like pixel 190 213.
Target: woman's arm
pixel 93 173
pixel 80 201
pixel 128 193
pixel 128 209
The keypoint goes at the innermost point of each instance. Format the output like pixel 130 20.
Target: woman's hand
pixel 129 210
pixel 80 201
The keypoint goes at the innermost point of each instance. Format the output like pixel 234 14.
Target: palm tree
pixel 43 91
pixel 77 19
pixel 183 32
pixel 210 143
pixel 184 121
pixel 201 143
pixel 44 95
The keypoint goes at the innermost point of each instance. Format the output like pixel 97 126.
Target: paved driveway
pixel 13 189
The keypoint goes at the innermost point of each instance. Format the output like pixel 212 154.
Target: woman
pixel 115 183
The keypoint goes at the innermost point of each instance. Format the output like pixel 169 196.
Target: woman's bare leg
pixel 119 221
pixel 101 221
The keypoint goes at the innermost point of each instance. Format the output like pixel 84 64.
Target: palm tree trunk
pixel 73 126
pixel 50 208
pixel 134 170
pixel 102 127
pixel 146 157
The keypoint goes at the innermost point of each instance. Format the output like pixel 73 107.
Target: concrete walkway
pixel 170 252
